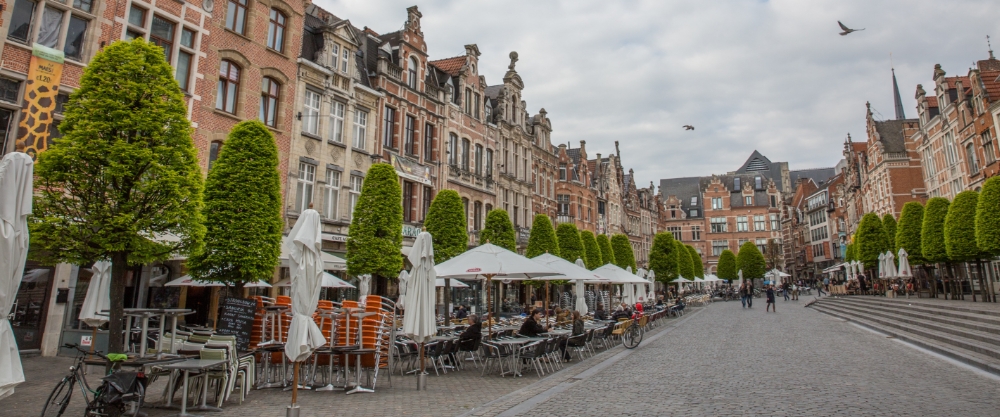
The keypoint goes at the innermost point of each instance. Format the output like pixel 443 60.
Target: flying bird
pixel 846 29
pixel 688 127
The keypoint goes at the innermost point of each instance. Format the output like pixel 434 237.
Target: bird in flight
pixel 688 127
pixel 846 29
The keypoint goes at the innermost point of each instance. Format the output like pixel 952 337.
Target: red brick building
pixel 574 192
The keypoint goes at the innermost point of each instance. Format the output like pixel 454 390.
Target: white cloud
pixel 772 76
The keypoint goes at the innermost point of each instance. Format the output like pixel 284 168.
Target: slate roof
pixel 574 155
pixel 451 66
pixel 758 163
pixel 890 133
pixel 683 189
pixel 493 91
pixel 817 175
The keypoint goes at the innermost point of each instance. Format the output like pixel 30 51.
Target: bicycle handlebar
pixel 85 352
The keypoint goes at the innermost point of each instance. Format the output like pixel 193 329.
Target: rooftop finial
pixel 900 115
pixel 989 46
pixel 513 60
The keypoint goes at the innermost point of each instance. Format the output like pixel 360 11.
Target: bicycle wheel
pixel 632 337
pixel 58 400
pixel 99 408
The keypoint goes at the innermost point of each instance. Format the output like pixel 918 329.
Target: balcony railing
pixel 564 218
pixel 470 177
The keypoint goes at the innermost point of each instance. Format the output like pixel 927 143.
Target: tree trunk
pixel 447 301
pixel 116 317
pixel 968 278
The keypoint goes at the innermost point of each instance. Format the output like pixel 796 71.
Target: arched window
pixel 228 87
pixel 236 16
pixel 411 77
pixel 269 91
pixel 213 153
pixel 276 31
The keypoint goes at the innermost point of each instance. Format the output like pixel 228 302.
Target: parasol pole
pixel 295 384
pixel 93 339
pixel 546 307
pixel 423 369
pixel 489 307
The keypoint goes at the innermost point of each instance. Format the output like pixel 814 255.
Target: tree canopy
pixel 699 268
pixel 727 266
pixel 242 210
pixel 570 244
pixel 988 217
pixel 932 242
pixel 447 225
pixel 543 237
pixel 960 228
pixel 592 253
pixel 685 265
pixel 750 261
pixel 499 230
pixel 871 241
pixel 124 174
pixel 663 257
pixel 607 255
pixel 375 239
pixel 890 226
pixel 622 248
pixel 908 230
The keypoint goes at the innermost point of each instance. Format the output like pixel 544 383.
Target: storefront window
pixel 28 314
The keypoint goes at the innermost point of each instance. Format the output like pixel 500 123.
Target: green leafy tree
pixel 499 230
pixel 889 225
pixel 375 238
pixel 699 268
pixel 727 266
pixel 960 228
pixel 124 173
pixel 685 267
pixel 772 254
pixel 622 248
pixel 447 225
pixel 607 255
pixel 570 244
pixel 908 232
pixel 242 210
pixel 663 257
pixel 988 217
pixel 849 252
pixel 750 261
pixel 593 257
pixel 871 240
pixel 543 237
pixel 932 242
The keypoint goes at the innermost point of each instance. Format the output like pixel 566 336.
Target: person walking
pixel 784 290
pixel 743 294
pixel 770 299
pixel 749 293
pixel 819 290
pixel 795 292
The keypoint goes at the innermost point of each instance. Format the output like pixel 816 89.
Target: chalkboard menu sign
pixel 236 317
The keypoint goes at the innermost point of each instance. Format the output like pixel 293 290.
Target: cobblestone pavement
pixel 733 361
pixel 447 395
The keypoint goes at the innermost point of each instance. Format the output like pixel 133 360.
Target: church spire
pixel 898 101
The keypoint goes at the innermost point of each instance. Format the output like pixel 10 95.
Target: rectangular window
pixel 970 157
pixel 136 16
pixel 276 31
pixel 183 75
pixel 988 150
pixel 736 184
pixel 388 127
pixel 407 201
pixel 356 183
pixel 304 186
pixel 428 191
pixel 310 113
pixel 408 135
pixel 742 224
pixel 84 5
pixel 693 213
pixel 73 48
pixel 489 163
pixel 563 201
pixel 465 154
pixel 718 246
pixel 452 149
pixel 758 223
pixel 719 225
pixel 428 142
pixel 716 203
pixel 344 59
pixel 748 200
pixel 331 194
pixel 334 55
pixel 468 101
pixel 9 90
pixel 774 201
pixel 161 33
pixel 479 159
pixel 478 105
pixel 562 172
pixel 761 245
pixel 695 233
pixel 51 27
pixel 337 121
pixel 774 221
pixel 694 201
pixel 21 18
pixel 269 92
pixel 6 117
pixel 757 183
pixel 360 128
pixel 676 231
pixel 236 16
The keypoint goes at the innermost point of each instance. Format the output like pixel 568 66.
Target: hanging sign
pixel 34 133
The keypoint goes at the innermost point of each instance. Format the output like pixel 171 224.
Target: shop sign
pixel 331 237
pixel 34 133
pixel 411 170
pixel 410 231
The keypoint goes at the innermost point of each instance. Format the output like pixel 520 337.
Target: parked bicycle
pixel 119 390
pixel 633 334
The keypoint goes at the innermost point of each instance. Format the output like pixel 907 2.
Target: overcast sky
pixel 768 75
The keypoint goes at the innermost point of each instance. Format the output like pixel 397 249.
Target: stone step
pixel 960 312
pixel 967 321
pixel 984 362
pixel 962 342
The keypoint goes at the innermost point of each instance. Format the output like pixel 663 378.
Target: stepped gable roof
pixel 450 66
pixel 890 133
pixel 574 155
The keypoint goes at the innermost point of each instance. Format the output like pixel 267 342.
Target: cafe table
pixel 199 365
pixel 515 356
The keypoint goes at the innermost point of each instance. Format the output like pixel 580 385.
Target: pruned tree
pixel 447 225
pixel 375 239
pixel 622 248
pixel 123 183
pixel 871 241
pixel 663 257
pixel 696 263
pixel 685 265
pixel 570 244
pixel 960 232
pixel 543 237
pixel 498 230
pixel 908 233
pixel 727 266
pixel 988 222
pixel 242 211
pixel 592 253
pixel 607 255
pixel 750 261
pixel 932 244
pixel 773 254
pixel 889 225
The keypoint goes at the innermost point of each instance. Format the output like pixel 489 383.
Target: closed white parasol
pixel 419 322
pixel 904 264
pixel 16 174
pixel 306 267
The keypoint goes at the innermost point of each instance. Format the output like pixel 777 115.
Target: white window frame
pixel 304 186
pixel 331 194
pixel 334 55
pixel 742 224
pixel 360 128
pixel 310 112
pixel 337 110
pixel 357 182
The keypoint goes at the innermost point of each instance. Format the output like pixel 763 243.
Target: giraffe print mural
pixel 44 75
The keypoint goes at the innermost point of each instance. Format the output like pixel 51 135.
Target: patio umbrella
pixel 488 261
pixel 188 281
pixel 329 281
pixel 580 290
pixel 404 277
pixel 364 286
pixel 904 264
pixel 419 323
pixel 98 299
pixel 652 284
pixel 16 173
pixel 453 283
pixel 565 270
pixel 306 266
pixel 881 265
pixel 740 274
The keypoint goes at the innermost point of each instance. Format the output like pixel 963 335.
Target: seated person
pixel 561 316
pixel 531 326
pixel 621 313
pixel 578 330
pixel 600 314
pixel 461 313
pixel 467 340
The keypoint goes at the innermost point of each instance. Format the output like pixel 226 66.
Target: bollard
pixel 292 411
pixel 421 381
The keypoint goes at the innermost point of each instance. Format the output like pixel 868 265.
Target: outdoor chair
pixel 404 353
pixel 470 347
pixel 578 343
pixel 533 353
pixel 432 351
pixel 588 342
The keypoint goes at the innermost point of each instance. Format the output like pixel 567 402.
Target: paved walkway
pixel 727 360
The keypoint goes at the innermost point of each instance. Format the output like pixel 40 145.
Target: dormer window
pixel 411 77
pixel 334 54
pixel 345 56
pixel 736 184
